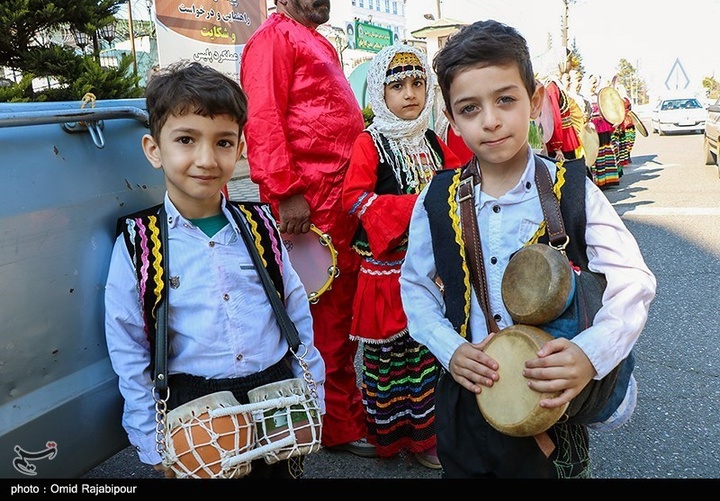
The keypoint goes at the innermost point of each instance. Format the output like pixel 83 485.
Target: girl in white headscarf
pixel 392 161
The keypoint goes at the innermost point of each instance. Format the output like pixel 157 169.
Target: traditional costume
pixel 302 121
pixel 392 161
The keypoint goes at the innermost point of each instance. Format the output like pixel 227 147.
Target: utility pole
pixel 439 13
pixel 564 64
pixel 132 37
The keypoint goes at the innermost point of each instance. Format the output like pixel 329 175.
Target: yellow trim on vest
pixel 454 211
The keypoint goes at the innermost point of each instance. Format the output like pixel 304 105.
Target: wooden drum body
pixel 287 419
pixel 538 285
pixel 197 441
pixel 510 406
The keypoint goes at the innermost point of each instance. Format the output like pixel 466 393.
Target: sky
pixel 651 34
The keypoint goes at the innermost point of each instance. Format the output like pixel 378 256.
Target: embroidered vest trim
pixel 141 233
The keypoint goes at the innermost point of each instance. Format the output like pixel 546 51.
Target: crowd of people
pixel 581 128
pixel 386 193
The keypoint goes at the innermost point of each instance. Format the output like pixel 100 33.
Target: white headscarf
pixel 408 145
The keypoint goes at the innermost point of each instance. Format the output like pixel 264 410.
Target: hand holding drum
pixel 537 287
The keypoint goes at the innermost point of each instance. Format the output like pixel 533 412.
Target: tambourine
pixel 510 405
pixel 314 258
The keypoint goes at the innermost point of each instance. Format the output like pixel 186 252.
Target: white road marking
pixel 671 211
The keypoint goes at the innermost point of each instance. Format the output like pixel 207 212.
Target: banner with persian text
pixel 213 32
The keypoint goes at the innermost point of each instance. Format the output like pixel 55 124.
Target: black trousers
pixel 185 387
pixel 468 447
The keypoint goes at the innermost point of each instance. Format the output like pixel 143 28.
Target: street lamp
pixel 81 39
pixel 107 32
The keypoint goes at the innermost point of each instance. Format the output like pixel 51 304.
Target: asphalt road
pixel 669 200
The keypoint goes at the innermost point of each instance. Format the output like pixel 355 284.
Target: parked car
pixel 68 174
pixel 711 141
pixel 679 114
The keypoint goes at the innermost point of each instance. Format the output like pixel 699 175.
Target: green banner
pixel 372 38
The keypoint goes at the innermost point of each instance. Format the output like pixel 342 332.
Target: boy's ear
pixel 536 102
pixel 241 148
pixel 152 151
pixel 449 116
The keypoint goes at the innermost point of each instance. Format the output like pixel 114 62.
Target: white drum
pixel 510 406
pixel 199 442
pixel 315 260
pixel 287 420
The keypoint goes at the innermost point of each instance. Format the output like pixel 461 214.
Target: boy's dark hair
pixel 185 87
pixel 482 44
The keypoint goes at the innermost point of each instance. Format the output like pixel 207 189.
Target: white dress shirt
pixel 506 224
pixel 221 324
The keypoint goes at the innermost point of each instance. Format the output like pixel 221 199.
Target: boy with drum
pixel 486 78
pixel 222 331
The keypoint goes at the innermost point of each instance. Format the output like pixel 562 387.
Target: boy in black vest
pixel 222 330
pixel 491 95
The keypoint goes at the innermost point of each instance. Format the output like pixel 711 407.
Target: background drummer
pixel 564 143
pixel 486 77
pixel 302 121
pixel 222 330
pixel 604 171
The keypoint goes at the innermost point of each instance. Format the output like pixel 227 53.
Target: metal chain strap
pixel 160 421
pixel 307 377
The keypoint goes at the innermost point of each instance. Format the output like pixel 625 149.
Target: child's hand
pixel 561 366
pixel 472 368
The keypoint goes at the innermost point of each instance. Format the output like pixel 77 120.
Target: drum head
pixel 545 121
pixel 314 259
pixel 510 406
pixel 639 126
pixel 537 284
pixel 590 143
pixel 611 105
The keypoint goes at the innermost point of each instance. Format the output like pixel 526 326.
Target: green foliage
pixel 19 92
pixel 712 87
pixel 627 76
pixel 34 41
pixel 106 83
pixel 368 115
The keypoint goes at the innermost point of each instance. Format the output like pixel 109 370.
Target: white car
pixel 679 114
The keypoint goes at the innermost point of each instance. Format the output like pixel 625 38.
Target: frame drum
pixel 638 124
pixel 315 260
pixel 197 442
pixel 546 120
pixel 510 406
pixel 538 284
pixel 591 144
pixel 611 105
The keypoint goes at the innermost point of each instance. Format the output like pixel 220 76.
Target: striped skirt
pixel 398 389
pixel 605 173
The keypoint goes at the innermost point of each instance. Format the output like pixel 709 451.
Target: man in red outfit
pixel 303 120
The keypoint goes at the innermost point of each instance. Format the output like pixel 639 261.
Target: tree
pixel 34 41
pixel 627 76
pixel 712 87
